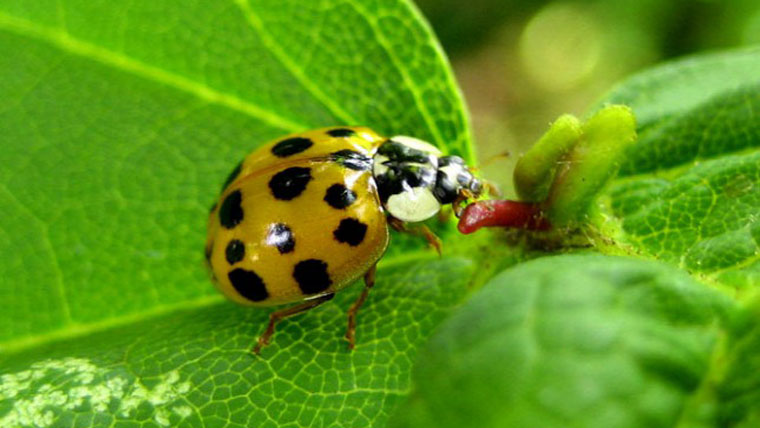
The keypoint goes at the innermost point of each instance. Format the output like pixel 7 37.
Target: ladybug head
pixel 414 180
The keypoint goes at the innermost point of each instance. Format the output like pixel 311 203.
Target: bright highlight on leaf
pixel 76 384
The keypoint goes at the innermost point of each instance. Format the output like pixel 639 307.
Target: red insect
pixel 502 213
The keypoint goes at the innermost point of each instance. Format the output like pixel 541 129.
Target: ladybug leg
pixel 419 230
pixel 369 281
pixel 457 204
pixel 277 316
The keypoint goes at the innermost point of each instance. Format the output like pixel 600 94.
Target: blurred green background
pixel 523 63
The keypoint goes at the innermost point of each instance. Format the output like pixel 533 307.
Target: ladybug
pixel 304 216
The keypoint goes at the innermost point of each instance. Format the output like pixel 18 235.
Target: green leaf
pixel 118 124
pixel 577 341
pixel 689 192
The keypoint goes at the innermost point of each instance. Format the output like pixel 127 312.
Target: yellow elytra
pixel 304 216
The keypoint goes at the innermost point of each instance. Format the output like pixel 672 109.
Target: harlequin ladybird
pixel 304 216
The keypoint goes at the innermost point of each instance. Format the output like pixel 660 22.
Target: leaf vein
pixel 58 280
pixel 277 50
pixel 74 46
pixel 418 100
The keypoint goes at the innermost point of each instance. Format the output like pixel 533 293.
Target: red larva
pixel 502 213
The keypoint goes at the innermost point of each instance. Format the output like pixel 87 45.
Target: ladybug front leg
pixel 465 195
pixel 369 281
pixel 277 316
pixel 419 230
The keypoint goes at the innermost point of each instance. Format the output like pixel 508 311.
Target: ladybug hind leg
pixel 280 315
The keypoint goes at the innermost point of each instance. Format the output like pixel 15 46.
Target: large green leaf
pixel 690 190
pixel 118 123
pixel 581 341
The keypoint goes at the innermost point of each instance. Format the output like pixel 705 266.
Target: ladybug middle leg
pixel 419 230
pixel 277 316
pixel 369 281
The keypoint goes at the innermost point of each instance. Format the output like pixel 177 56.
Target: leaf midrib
pixel 74 46
pixel 78 330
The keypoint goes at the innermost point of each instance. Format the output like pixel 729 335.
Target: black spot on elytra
pixel 231 212
pixel 233 175
pixel 289 183
pixel 341 132
pixel 311 276
pixel 291 146
pixel 235 251
pixel 350 231
pixel 248 284
pixel 352 160
pixel 338 196
pixel 281 236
